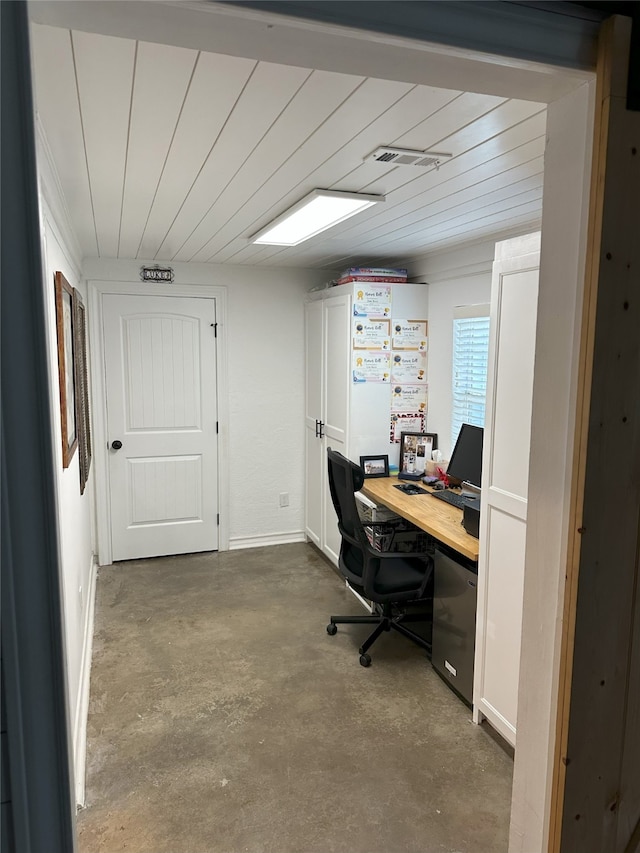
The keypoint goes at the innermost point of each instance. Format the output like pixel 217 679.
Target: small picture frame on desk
pixel 375 466
pixel 415 452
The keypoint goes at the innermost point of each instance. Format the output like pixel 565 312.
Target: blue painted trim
pixel 33 662
pixel 558 33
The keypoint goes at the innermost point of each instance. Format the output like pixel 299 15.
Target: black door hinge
pixel 216 427
pixel 218 519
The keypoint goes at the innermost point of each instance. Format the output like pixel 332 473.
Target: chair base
pixel 384 620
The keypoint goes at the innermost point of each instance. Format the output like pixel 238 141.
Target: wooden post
pixel 596 785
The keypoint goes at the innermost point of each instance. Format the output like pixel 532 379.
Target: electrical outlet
pixel 284 498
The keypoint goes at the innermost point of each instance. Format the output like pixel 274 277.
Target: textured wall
pixel 266 402
pixel 265 381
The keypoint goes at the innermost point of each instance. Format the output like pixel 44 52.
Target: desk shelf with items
pixel 388 531
pixel 369 510
pixel 399 536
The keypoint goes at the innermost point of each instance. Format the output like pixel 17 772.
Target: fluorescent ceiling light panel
pixel 320 210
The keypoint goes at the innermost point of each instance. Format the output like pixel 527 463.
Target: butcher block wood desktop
pixel 439 519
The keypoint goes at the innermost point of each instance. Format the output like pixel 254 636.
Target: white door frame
pixel 96 290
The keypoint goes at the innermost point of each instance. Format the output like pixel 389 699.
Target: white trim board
pixel 237 31
pixel 96 343
pixel 82 706
pixel 499 723
pixel 239 542
pixel 558 333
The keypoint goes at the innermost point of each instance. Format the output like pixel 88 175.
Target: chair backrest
pixel 359 561
pixel 345 479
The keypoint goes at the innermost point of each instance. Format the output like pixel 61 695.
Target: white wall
pixel 457 277
pixel 265 358
pixel 75 528
pixel 266 399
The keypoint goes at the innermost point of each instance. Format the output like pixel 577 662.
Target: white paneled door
pixel 160 373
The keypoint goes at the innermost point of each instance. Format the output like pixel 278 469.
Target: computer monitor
pixel 466 460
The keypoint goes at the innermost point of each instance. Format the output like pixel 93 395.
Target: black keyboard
pixel 451 498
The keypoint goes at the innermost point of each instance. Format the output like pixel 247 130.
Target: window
pixel 469 373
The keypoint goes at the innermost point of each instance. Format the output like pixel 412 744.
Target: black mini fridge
pixel 454 620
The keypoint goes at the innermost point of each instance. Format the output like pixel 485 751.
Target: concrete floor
pixel 224 719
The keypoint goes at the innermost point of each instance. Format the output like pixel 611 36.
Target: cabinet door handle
pixel 321 429
pixel 317 429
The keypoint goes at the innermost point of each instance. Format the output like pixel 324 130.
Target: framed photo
pixel 375 466
pixel 66 367
pixel 405 422
pixel 82 388
pixel 415 451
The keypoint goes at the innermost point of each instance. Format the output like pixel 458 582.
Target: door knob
pixel 116 445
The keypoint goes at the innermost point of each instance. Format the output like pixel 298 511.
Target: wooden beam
pixel 595 802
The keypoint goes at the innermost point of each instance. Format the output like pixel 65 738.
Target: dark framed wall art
pixel 83 419
pixel 66 368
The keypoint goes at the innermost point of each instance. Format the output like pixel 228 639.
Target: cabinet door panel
pixel 314 451
pixel 505 477
pixel 337 350
pixel 315 475
pixel 313 361
pixel 337 332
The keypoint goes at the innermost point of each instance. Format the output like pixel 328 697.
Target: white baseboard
pixel 235 543
pixel 497 720
pixel 82 705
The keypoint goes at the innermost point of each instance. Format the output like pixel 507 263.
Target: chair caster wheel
pixel 365 660
pixel 332 629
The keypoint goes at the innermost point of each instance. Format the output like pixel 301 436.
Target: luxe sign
pixel 158 274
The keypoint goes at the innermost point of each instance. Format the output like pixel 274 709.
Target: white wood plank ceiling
pixel 171 154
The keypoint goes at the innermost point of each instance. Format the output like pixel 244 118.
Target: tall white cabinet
pixel 353 419
pixel 505 482
pixel 328 330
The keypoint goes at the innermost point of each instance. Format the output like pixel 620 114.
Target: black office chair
pixel 387 579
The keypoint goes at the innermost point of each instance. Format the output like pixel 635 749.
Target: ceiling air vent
pixel 407 157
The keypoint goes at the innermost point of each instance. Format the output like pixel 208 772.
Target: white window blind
pixel 470 357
